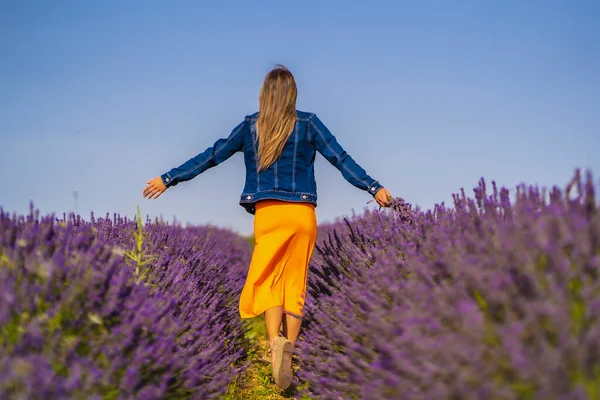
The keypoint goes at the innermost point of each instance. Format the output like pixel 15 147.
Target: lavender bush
pixel 488 299
pixel 76 320
pixel 202 269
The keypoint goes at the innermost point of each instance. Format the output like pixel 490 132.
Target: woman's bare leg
pixel 273 319
pixel 291 327
pixel 284 329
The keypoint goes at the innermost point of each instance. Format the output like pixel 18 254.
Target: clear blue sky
pixel 428 96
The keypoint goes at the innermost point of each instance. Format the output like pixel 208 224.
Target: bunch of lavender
pixel 403 210
pixel 486 300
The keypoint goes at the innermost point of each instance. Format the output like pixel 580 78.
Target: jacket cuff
pixel 167 180
pixel 374 187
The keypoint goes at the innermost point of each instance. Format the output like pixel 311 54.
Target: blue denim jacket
pixel 292 176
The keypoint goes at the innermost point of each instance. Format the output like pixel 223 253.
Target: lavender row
pixel 76 320
pixel 490 298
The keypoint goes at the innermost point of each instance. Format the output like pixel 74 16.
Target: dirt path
pixel 257 383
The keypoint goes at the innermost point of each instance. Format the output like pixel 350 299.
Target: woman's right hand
pixel 154 188
pixel 383 197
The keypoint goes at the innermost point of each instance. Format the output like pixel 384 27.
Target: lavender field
pixel 487 298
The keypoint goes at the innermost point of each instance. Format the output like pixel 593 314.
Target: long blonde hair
pixel 276 114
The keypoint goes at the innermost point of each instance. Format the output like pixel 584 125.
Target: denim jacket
pixel 292 176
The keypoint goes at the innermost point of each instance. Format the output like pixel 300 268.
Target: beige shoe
pixel 282 362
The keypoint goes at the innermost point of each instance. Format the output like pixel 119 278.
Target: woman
pixel 279 145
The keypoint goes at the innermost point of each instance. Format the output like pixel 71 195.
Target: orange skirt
pixel 284 235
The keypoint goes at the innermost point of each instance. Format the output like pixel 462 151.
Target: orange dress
pixel 284 234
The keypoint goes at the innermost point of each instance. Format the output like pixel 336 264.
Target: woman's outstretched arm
pixel 214 155
pixel 326 144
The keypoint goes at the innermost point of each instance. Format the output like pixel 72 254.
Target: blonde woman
pixel 279 145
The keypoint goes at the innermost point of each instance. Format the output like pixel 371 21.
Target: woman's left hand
pixel 383 197
pixel 154 188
